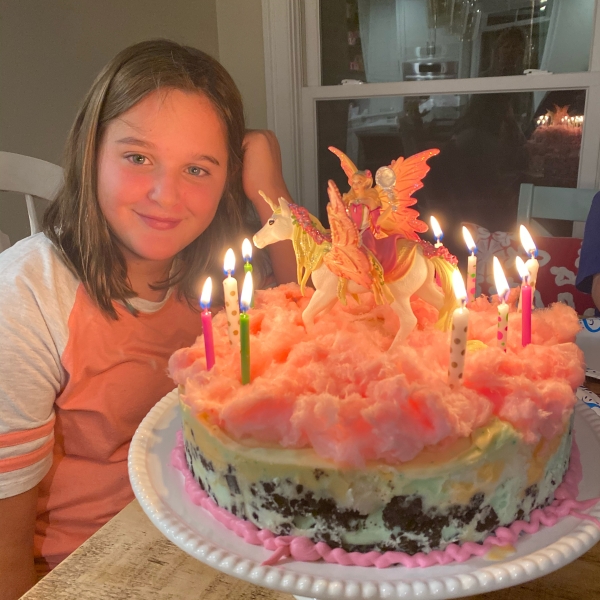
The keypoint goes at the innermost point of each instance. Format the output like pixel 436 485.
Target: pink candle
pixel 209 344
pixel 471 265
pixel 526 302
pixel 437 232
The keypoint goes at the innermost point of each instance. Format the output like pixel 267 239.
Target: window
pixel 518 79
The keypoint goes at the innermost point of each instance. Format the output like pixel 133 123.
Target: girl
pixel 157 163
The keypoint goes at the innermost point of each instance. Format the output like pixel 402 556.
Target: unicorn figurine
pixel 373 244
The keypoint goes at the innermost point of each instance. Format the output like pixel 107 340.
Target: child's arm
pixel 17 524
pixel 596 290
pixel 263 171
pixel 589 259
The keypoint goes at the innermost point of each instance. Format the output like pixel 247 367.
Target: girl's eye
pixel 197 171
pixel 137 159
pixel 271 221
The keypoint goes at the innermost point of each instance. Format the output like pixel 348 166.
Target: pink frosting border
pixel 301 548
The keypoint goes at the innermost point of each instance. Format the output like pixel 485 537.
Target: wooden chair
pixel 568 204
pixel 32 177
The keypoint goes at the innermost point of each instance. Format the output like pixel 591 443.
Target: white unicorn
pixel 339 262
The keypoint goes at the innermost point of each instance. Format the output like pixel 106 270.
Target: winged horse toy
pixel 373 244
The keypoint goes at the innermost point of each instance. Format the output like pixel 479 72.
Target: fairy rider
pixel 382 213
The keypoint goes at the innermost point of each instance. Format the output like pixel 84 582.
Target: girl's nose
pixel 164 189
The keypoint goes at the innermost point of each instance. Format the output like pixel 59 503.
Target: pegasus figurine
pixel 373 244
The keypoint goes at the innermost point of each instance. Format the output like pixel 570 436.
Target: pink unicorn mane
pixel 302 217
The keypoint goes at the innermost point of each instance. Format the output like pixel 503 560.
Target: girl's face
pixel 162 167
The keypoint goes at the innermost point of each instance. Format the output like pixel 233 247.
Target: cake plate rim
pixel 151 474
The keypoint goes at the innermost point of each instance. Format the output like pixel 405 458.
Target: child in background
pixel 156 167
pixel 588 275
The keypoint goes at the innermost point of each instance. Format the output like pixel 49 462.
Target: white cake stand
pixel 159 488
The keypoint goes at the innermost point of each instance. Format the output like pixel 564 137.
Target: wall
pixel 50 53
pixel 241 52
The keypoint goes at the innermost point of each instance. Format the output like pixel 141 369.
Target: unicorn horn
pixel 268 200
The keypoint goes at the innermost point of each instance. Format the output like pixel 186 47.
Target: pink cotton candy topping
pixel 338 389
pixel 302 548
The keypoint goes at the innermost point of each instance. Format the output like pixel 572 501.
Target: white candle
pixel 471 265
pixel 502 290
pixel 532 264
pixel 458 334
pixel 437 232
pixel 232 305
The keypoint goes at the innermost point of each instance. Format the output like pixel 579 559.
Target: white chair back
pixel 567 204
pixel 31 177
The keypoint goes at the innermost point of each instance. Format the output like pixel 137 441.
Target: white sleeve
pixel 36 295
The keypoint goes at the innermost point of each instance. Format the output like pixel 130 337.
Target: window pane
pixel 490 144
pixel 408 40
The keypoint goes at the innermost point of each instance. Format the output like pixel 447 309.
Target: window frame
pixel 293 76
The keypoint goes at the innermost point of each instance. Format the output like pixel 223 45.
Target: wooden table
pixel 129 558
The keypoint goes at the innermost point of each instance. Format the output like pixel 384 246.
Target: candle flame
pixel 206 294
pixel 500 280
pixel 247 289
pixel 229 263
pixel 469 239
pixel 527 241
pixel 437 230
pixel 459 286
pixel 522 268
pixel 247 249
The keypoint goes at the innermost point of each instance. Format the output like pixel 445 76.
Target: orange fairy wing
pixel 410 173
pixel 345 259
pixel 348 166
pixel 396 216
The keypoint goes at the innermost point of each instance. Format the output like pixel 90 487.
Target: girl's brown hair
pixel 74 221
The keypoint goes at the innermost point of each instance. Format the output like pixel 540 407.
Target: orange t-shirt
pixel 99 378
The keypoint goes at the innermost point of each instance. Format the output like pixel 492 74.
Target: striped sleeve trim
pixel 26 460
pixel 15 438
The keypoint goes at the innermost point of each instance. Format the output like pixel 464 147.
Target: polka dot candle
pixel 502 290
pixel 232 304
pixel 458 333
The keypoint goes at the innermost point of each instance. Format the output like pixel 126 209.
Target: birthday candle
pixel 231 297
pixel 247 254
pixel 502 289
pixel 458 336
pixel 437 232
pixel 532 264
pixel 209 345
pixel 471 265
pixel 245 328
pixel 526 302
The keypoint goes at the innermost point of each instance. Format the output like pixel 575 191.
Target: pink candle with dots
pixel 471 265
pixel 502 289
pixel 526 302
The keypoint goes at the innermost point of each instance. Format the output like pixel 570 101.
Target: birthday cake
pixel 338 441
pixel 350 439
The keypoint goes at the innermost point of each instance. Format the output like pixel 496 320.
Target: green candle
pixel 245 327
pixel 245 346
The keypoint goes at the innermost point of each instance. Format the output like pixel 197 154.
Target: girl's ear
pixel 285 208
